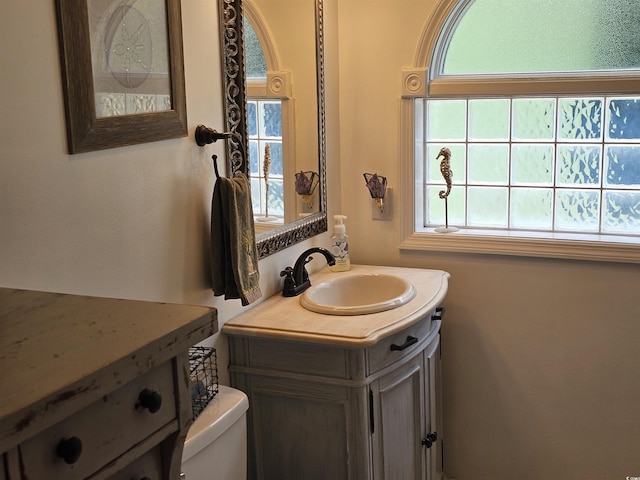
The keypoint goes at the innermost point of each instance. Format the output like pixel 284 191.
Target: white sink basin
pixel 358 294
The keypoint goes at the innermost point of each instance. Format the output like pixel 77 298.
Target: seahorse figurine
pixel 445 170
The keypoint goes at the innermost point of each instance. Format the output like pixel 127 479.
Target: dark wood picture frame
pixel 85 131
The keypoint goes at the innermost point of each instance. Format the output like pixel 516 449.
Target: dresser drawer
pixel 104 430
pixel 402 344
pixel 148 466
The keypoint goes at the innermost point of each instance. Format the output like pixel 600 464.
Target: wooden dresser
pixel 94 387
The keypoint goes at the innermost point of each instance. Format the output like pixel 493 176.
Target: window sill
pixel 528 244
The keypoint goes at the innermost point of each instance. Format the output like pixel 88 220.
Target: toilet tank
pixel 216 445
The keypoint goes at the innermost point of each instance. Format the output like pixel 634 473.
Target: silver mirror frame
pixel 235 101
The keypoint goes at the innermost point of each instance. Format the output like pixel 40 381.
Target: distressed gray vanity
pixel 94 387
pixel 349 397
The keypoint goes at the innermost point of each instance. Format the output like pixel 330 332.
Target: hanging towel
pixel 234 258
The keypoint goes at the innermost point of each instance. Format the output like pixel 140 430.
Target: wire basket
pixel 203 373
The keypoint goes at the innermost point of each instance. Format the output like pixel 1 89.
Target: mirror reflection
pixel 282 110
pixel 277 113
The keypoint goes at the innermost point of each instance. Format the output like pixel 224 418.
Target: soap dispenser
pixel 340 245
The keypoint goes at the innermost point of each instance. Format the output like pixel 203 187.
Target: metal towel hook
pixel 206 135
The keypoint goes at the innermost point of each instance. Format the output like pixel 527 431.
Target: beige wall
pixel 540 357
pixel 129 222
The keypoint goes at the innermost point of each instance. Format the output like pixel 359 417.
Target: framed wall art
pixel 122 72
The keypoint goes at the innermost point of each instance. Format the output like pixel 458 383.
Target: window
pixel 265 129
pixel 541 114
pixel 264 124
pixel 535 163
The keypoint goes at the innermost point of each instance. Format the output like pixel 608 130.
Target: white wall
pixel 540 356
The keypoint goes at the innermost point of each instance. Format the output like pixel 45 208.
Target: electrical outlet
pixel 386 212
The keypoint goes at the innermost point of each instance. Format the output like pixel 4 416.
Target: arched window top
pixel 255 62
pixel 539 36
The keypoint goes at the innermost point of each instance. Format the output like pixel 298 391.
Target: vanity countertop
pixel 61 352
pixel 284 317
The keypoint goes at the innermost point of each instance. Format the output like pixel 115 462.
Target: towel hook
pixel 206 135
pixel 215 165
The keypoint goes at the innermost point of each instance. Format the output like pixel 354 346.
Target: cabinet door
pixel 433 438
pixel 299 430
pixel 397 422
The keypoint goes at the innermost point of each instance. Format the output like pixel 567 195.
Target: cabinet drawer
pixel 287 356
pixel 148 466
pixel 105 429
pixel 395 347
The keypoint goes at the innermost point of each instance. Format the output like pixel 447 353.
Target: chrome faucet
pixel 296 279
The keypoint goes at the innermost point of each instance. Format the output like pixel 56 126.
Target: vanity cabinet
pixel 95 388
pixel 323 410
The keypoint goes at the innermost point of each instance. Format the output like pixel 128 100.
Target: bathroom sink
pixel 358 294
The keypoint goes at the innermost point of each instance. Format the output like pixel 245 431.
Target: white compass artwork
pixel 128 46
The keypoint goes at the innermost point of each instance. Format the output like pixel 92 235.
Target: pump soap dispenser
pixel 340 245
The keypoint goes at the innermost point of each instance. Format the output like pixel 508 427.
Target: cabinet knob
pixel 429 439
pixel 149 399
pixel 69 449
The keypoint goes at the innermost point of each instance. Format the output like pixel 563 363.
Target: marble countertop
pixel 284 317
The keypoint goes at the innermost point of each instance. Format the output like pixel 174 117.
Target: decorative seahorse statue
pixel 445 170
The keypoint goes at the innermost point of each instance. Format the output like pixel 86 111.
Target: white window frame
pixel 424 81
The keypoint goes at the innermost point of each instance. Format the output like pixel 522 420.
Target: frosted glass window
pixel 532 208
pixel 532 164
pixel 447 120
pixel 623 165
pixel 488 163
pixel 579 165
pixel 541 178
pixel 489 119
pixel 512 36
pixel 580 119
pixel 577 210
pixel 624 119
pixel 534 119
pixel 621 212
pixel 456 203
pixel 487 206
pixel 538 102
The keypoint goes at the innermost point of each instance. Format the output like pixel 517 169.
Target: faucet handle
pixel 287 273
pixel 289 282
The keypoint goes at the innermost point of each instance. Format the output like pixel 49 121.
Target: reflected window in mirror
pixel 264 123
pixel 269 108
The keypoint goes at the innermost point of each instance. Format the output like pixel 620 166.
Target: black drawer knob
pixel 69 449
pixel 149 399
pixel 429 439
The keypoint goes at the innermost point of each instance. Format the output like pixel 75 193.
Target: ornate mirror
pixel 303 114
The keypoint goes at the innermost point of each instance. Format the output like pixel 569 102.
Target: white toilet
pixel 216 445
